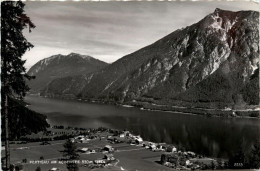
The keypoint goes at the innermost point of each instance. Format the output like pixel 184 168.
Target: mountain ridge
pixel 58 66
pixel 181 65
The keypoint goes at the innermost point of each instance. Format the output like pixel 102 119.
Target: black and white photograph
pixel 130 85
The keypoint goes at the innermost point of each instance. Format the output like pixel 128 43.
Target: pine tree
pixel 70 154
pixel 254 158
pixel 38 168
pixel 14 45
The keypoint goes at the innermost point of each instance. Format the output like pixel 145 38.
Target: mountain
pixel 213 61
pixel 59 66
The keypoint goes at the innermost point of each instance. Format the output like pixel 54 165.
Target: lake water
pixel 217 137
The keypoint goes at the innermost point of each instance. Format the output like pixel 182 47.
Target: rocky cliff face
pixel 59 66
pixel 213 60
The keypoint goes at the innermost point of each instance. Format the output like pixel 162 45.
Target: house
pixel 127 134
pixel 145 144
pixel 171 149
pixel 109 157
pixel 122 135
pixel 79 137
pixel 83 150
pixel 108 148
pixel 163 146
pixel 83 140
pixel 54 169
pixel 152 146
pixel 89 151
pixel 190 153
pixel 132 142
pixel 110 138
pixel 188 163
pixel 72 140
pixel 138 140
pixel 159 147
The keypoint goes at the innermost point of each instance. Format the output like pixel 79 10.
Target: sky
pixel 110 30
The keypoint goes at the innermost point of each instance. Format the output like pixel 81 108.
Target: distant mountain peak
pixel 72 53
pixel 217 10
pixel 79 55
pixel 57 66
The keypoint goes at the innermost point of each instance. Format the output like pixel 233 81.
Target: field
pixel 128 157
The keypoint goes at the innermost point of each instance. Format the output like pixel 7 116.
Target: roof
pixel 84 149
pixel 138 138
pixel 108 146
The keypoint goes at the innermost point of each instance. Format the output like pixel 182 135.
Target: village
pixel 106 149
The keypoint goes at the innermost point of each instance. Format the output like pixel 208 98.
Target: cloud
pixel 110 30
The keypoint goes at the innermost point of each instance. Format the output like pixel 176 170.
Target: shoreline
pixel 208 112
pixel 187 113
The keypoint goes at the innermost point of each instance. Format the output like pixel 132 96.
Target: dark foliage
pixel 38 168
pixel 23 121
pixel 254 158
pixel 237 160
pixel 13 73
pixel 14 45
pixel 249 92
pixel 243 160
pixel 70 154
